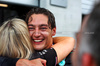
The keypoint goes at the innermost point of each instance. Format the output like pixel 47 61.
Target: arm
pixel 63 46
pixel 5 61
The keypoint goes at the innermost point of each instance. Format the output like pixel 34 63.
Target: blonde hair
pixel 15 39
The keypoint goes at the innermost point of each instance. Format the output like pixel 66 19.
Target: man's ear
pixel 53 31
pixel 87 60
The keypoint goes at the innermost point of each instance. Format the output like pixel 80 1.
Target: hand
pixel 37 62
pixel 34 62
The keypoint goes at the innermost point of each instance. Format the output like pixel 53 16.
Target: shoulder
pixel 50 56
pixel 50 51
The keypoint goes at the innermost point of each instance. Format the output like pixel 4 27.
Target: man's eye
pixel 44 28
pixel 31 28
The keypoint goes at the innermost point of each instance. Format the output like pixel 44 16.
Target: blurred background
pixel 68 13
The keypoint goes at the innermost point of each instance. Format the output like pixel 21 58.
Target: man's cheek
pixel 46 34
pixel 30 32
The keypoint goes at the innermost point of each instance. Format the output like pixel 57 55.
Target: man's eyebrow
pixel 44 25
pixel 30 25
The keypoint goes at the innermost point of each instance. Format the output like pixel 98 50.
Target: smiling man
pixel 41 31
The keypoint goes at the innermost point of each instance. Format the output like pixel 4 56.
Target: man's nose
pixel 36 33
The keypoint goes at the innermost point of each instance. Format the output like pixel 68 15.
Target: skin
pixel 40 32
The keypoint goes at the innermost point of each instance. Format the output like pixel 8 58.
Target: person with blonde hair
pixel 15 44
pixel 14 39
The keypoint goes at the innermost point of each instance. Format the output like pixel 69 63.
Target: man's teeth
pixel 37 40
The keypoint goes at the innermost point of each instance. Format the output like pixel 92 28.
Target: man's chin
pixel 38 48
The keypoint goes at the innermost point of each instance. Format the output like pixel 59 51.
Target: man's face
pixel 40 32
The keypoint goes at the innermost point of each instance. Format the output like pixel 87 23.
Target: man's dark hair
pixel 51 18
pixel 93 35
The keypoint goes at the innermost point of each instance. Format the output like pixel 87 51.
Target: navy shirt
pixel 49 55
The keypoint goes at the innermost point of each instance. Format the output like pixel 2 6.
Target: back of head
pixel 51 18
pixel 15 39
pixel 91 35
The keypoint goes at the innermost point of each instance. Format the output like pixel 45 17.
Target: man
pixel 87 52
pixel 41 25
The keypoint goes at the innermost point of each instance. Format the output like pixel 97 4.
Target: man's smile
pixel 38 40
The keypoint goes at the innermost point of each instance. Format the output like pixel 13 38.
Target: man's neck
pixel 44 48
